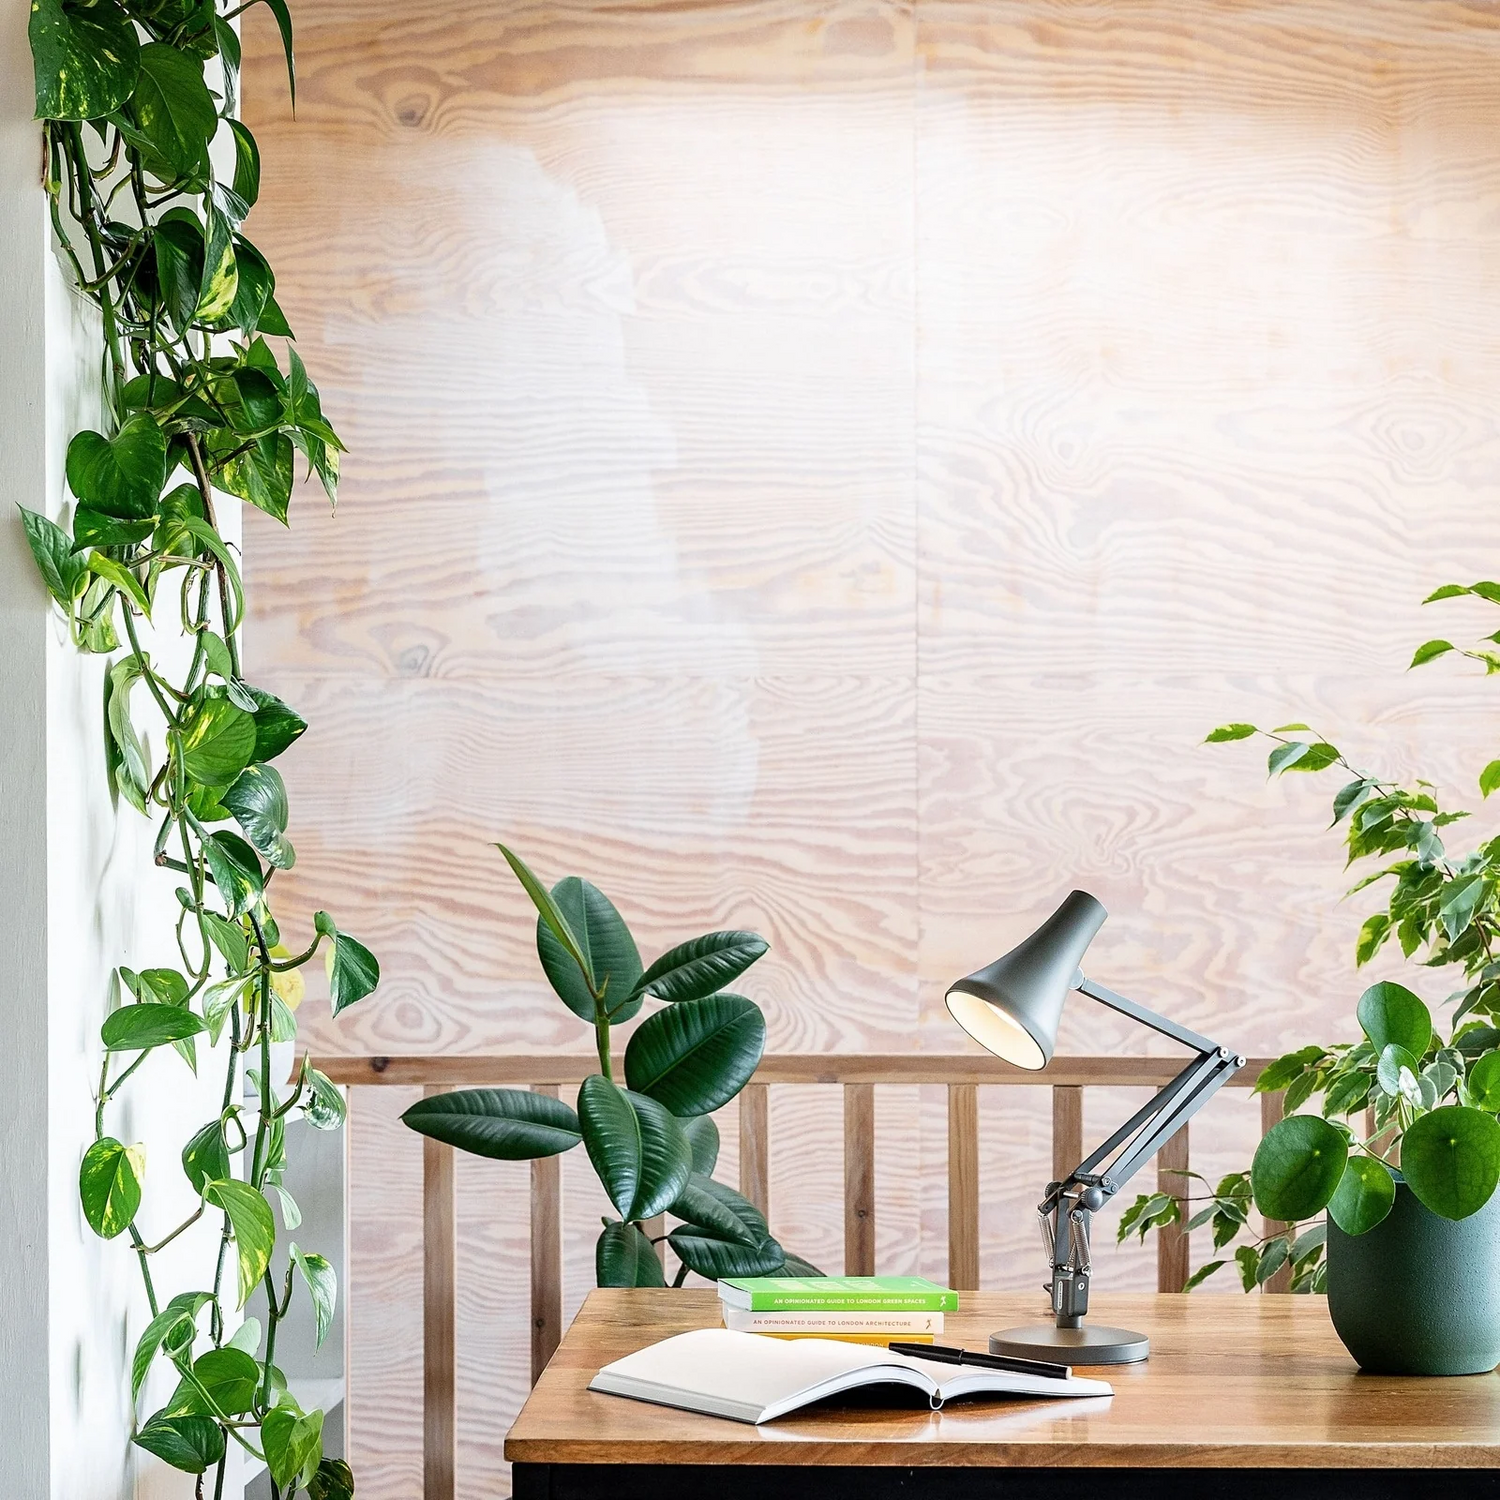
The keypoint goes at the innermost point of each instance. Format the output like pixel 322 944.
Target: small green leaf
pixel 1451 1160
pixel 276 725
pixel 1285 1069
pixel 61 568
pixel 1226 732
pixel 84 57
pixel 324 1106
pixel 507 1124
pixel 623 1256
pixel 252 1225
pixel 1489 778
pixel 1283 757
pixel 333 1480
pixel 246 164
pixel 236 872
pixel 229 938
pixel 1371 936
pixel 293 1443
pixel 120 476
pixel 205 1158
pixel 1394 1061
pixel 1297 1167
pixel 1365 1195
pixel 171 1330
pixel 224 1385
pixel 702 966
pixel 353 971
pixel 109 1185
pixel 1430 651
pixel 1203 1273
pixel 1273 1258
pixel 122 578
pixel 1484 1083
pixel 134 1028
pixel 192 1444
pixel 695 1056
pixel 1390 1014
pixel 322 1286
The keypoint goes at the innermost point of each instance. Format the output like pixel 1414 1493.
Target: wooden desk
pixel 1235 1385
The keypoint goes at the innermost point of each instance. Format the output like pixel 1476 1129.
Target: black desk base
pixel 878 1482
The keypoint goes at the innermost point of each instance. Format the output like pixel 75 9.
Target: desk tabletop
pixel 1233 1382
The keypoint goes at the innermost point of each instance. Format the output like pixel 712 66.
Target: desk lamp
pixel 1012 1008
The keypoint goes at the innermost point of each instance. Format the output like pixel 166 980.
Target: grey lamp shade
pixel 1012 1007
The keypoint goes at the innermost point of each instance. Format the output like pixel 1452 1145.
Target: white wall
pixel 78 895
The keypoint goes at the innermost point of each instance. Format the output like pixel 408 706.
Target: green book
pixel 836 1294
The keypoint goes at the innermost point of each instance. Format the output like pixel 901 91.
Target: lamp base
pixel 1088 1344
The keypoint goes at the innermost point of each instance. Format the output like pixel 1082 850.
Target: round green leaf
pixel 229 1375
pixel 133 1028
pixel 703 966
pixel 698 1054
pixel 507 1124
pixel 84 58
pixel 623 1256
pixel 120 476
pixel 217 743
pixel 1390 1015
pixel 605 942
pixel 637 1147
pixel 174 111
pixel 1484 1083
pixel 1365 1195
pixel 1451 1160
pixel 353 971
pixel 1393 1060
pixel 109 1185
pixel 1297 1168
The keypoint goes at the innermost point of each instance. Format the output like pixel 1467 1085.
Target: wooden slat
pixel 755 1146
pixel 1067 1129
pixel 812 1068
pixel 859 1179
pixel 439 1288
pixel 546 1254
pixel 1172 1264
pixel 963 1187
pixel 1270 1113
pixel 653 1230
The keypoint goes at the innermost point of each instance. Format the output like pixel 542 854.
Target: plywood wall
pixel 823 469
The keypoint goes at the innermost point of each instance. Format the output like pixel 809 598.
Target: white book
pixel 742 1320
pixel 748 1378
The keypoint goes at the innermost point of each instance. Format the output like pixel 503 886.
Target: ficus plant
pixel 1428 1095
pixel 150 179
pixel 649 1136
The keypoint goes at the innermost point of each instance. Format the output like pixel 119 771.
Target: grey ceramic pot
pixel 1418 1294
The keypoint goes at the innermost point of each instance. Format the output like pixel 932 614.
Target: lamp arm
pixel 1070 1205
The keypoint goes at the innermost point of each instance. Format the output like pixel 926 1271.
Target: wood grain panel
pixel 1173 1263
pixel 825 470
pixel 963 1187
pixel 439 1318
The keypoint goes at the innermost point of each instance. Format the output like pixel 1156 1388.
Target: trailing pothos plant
pixel 1430 1095
pixel 652 1142
pixel 136 99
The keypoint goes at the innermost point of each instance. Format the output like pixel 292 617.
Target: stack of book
pixel 857 1309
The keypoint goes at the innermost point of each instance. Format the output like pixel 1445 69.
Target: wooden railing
pixel 858 1075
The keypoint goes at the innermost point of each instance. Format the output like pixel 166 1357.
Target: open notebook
pixel 750 1378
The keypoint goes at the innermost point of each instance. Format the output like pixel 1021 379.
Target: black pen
pixel 947 1356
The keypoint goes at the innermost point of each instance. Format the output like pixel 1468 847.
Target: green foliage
pixel 652 1143
pixel 1434 1102
pixel 195 400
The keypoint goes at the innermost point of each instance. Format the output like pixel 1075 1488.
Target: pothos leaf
pixel 85 58
pixel 352 969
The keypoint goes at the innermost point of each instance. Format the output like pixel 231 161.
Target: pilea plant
pixel 1430 1101
pixel 652 1142
pixel 136 101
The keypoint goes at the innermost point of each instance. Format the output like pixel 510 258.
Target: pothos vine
pixel 150 178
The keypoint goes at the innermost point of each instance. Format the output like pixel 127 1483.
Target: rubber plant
pixel 652 1142
pixel 1430 1095
pixel 150 179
